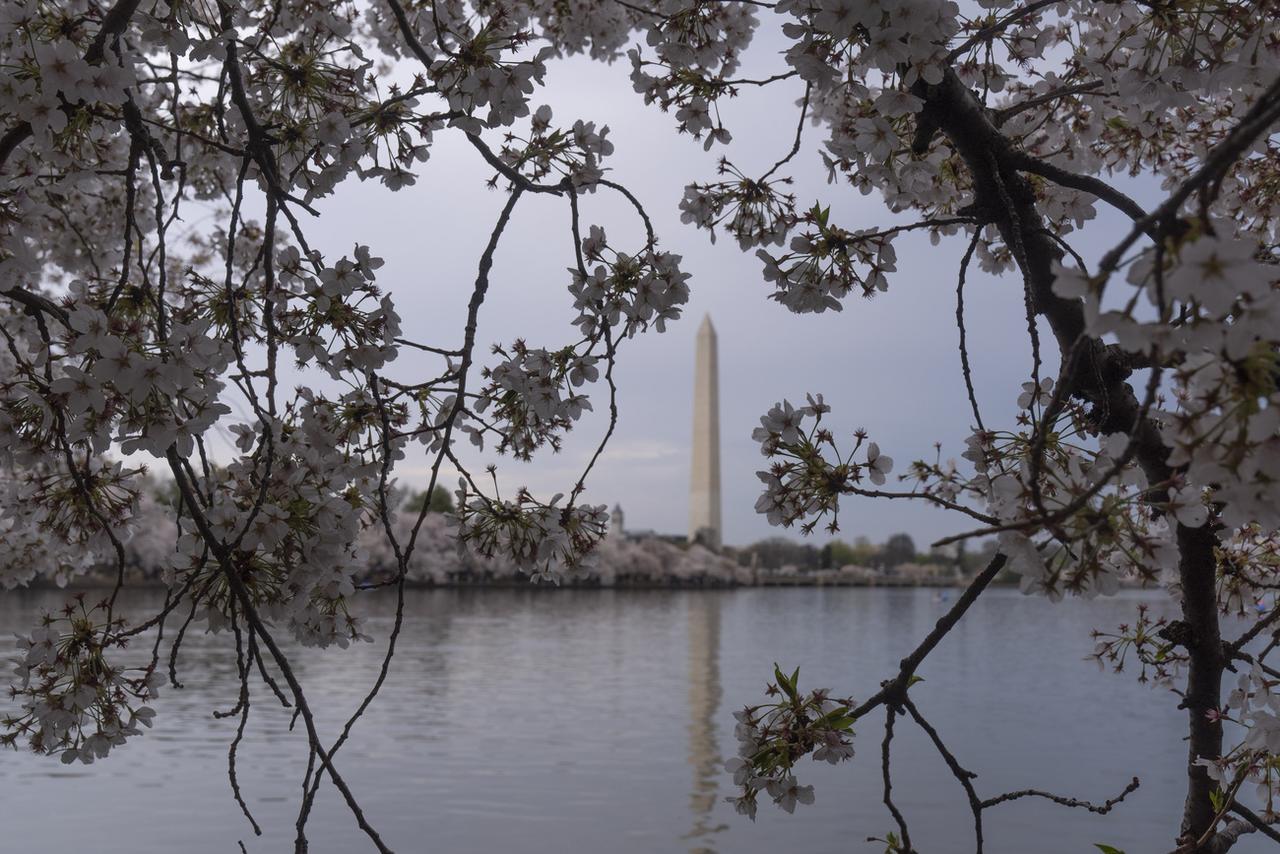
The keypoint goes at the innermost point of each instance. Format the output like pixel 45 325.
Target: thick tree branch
pixel 1004 114
pixel 1085 184
pixel 1255 821
pixel 35 303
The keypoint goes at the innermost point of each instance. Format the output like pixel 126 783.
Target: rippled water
pixel 596 721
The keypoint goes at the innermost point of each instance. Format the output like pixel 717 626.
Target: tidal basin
pixel 598 721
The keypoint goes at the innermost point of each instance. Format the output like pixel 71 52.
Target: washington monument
pixel 704 486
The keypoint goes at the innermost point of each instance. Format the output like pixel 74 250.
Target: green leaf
pixel 1217 799
pixel 1107 849
pixel 787 685
pixel 839 719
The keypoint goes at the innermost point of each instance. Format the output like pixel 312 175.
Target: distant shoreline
pixel 88 584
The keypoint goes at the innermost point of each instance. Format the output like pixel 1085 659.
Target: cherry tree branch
pixel 964 350
pixel 994 29
pixel 991 159
pixel 895 689
pixel 231 573
pixel 1254 820
pixel 965 778
pixel 899 819
pixel 1084 183
pixel 1101 809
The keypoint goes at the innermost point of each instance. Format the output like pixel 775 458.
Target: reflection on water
pixel 545 722
pixel 704 704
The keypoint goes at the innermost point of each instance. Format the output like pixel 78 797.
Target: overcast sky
pixel 888 365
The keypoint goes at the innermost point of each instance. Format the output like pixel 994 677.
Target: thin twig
pixel 1101 809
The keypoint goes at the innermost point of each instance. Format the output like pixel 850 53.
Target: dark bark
pixel 1197 570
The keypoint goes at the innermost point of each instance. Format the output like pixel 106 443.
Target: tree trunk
pixel 1004 198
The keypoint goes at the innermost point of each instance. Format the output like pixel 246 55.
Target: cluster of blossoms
pixel 531 397
pixel 74 703
pixel 1248 565
pixel 697 49
pixel 118 386
pixel 1222 433
pixel 1148 641
pixel 58 74
pixel 475 73
pixel 774 736
pixel 1223 427
pixel 546 541
pixel 1102 529
pixel 866 63
pixel 102 383
pixel 111 380
pixel 1254 706
pixel 871 147
pixel 335 314
pixel 825 263
pixel 1155 100
pixel 51 521
pixel 575 154
pixel 752 210
pixel 906 39
pixel 293 540
pixel 631 292
pixel 809 472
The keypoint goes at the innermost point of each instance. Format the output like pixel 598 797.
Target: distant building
pixel 704 481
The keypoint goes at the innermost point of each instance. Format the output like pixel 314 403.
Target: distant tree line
pixel 769 553
pixel 441 501
pixel 897 549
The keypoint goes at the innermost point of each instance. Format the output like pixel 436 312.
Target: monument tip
pixel 706 326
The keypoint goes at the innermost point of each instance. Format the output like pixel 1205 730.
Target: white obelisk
pixel 704 486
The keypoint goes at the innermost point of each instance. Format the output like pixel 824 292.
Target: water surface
pixel 597 721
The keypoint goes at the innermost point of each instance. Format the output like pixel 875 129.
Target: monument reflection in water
pixel 704 705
